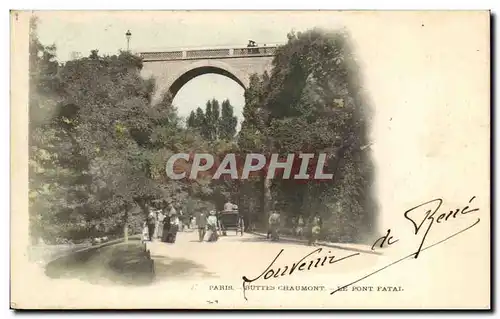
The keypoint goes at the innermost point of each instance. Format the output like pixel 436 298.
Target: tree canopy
pixel 98 144
pixel 214 123
pixel 312 103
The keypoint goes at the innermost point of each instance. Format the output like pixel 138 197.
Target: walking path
pixel 233 255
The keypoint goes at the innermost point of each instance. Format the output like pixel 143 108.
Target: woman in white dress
pixel 212 226
pixel 159 231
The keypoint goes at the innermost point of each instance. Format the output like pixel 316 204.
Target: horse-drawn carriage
pixel 231 220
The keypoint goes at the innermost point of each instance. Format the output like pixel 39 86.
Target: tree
pixel 213 125
pixel 94 135
pixel 191 121
pixel 312 102
pixel 48 179
pixel 213 120
pixel 254 198
pixel 199 119
pixel 227 122
pixel 111 116
pixel 209 127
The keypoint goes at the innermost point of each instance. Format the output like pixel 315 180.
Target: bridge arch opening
pixel 196 92
pixel 192 73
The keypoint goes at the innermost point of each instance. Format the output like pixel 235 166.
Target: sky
pixel 82 31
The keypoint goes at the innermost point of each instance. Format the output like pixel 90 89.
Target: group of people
pixel 163 224
pixel 208 224
pixel 253 48
pixel 301 229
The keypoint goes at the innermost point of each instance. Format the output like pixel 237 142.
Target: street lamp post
pixel 128 35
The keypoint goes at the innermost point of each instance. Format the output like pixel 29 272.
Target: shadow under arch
pixel 201 69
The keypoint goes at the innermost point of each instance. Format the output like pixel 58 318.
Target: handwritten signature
pixel 300 265
pixel 426 212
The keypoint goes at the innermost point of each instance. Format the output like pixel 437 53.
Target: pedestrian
pixel 294 225
pixel 316 224
pixel 274 223
pixel 151 220
pixel 161 218
pixel 172 210
pixel 201 222
pixel 166 229
pixel 300 226
pixel 187 221
pixel 145 231
pixel 157 224
pixel 269 231
pixel 175 224
pixel 192 222
pixel 212 226
pixel 171 235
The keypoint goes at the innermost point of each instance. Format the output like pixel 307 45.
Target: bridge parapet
pixel 215 53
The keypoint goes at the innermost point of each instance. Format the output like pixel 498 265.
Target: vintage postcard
pixel 250 160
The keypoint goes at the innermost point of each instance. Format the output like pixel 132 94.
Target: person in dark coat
pixel 166 228
pixel 201 222
pixel 151 225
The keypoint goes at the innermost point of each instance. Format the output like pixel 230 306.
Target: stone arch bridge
pixel 173 69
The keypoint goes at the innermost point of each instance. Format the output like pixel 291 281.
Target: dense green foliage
pixel 97 144
pixel 312 103
pixel 213 123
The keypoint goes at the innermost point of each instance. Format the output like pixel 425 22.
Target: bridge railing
pixel 209 53
pixel 172 55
